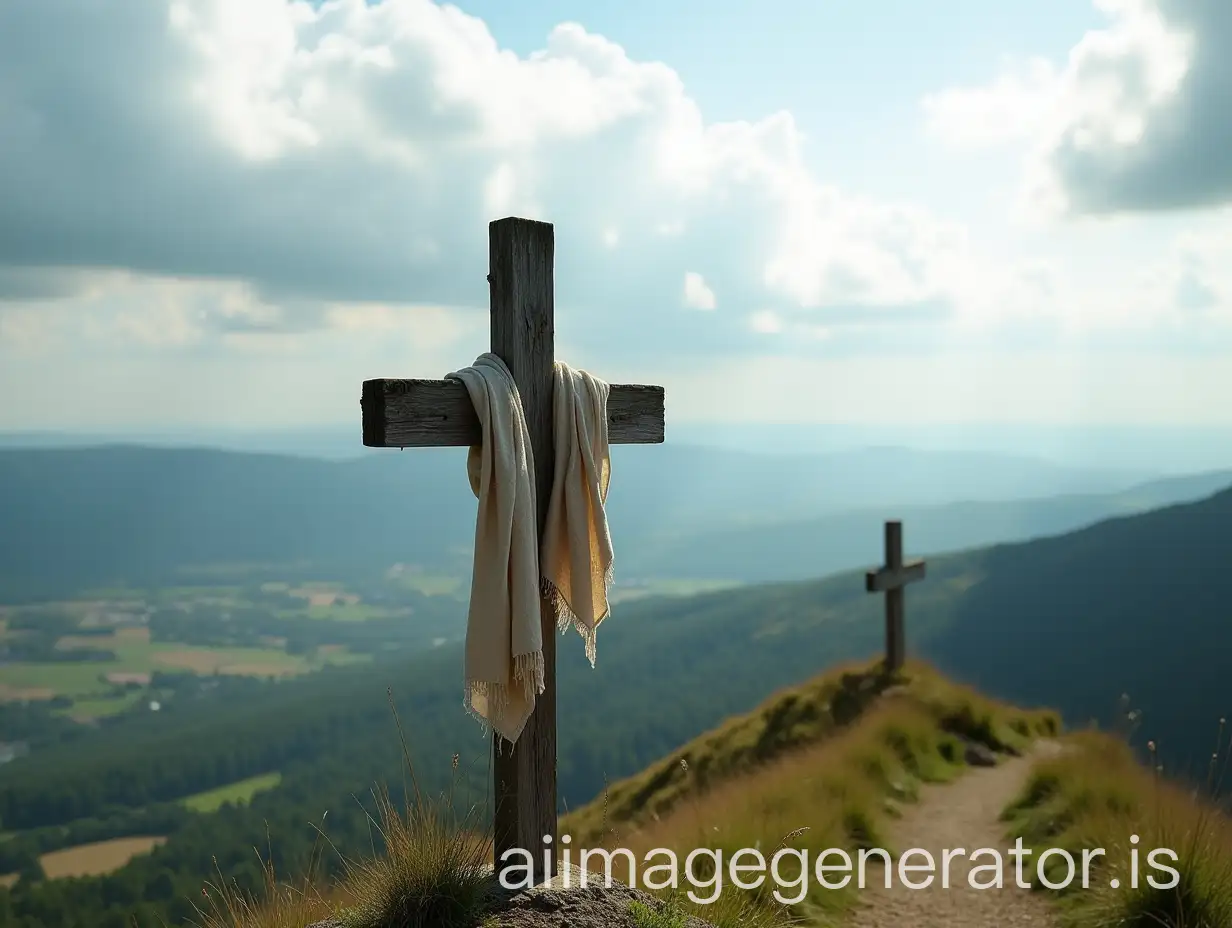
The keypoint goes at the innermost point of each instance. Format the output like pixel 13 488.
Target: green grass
pixel 239 793
pixel 1096 795
pixel 668 915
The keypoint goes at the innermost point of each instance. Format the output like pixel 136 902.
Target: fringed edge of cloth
pixel 528 670
pixel 565 617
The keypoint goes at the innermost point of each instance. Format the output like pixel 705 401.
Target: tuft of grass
pixel 432 873
pixel 1097 795
pixel 667 915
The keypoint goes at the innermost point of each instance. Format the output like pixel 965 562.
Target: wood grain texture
pixel 436 413
pixel 520 256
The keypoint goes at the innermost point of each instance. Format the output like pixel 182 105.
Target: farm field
pixel 239 793
pixel 96 858
pixel 426 582
pixel 106 652
pixel 105 687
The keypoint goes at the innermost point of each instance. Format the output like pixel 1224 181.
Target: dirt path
pixel 958 815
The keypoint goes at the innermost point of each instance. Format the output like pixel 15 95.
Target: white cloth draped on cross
pixel 572 567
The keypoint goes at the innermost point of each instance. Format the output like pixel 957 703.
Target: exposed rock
pixel 555 906
pixel 979 755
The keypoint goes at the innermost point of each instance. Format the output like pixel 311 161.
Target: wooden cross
pixel 891 579
pixel 434 413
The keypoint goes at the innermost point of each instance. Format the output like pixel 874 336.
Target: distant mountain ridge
pixel 1162 449
pixel 81 517
pixel 799 549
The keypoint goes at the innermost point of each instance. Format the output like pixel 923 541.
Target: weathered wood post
pixel 406 413
pixel 520 262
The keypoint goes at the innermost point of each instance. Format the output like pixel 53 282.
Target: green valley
pixel 1034 621
pixel 114 651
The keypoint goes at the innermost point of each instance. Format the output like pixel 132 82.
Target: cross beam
pixel 423 413
pixel 437 413
pixel 891 579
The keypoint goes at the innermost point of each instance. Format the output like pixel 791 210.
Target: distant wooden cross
pixel 435 413
pixel 891 579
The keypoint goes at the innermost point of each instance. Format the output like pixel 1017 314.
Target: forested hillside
pixel 1136 606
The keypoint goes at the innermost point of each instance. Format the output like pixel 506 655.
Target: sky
pixel 229 213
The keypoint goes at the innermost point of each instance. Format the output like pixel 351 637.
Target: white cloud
pixel 1006 385
pixel 120 312
pixel 354 152
pixel 1135 120
pixel 696 294
pixel 1016 107
pixel 766 321
pixel 1190 287
pixel 300 193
